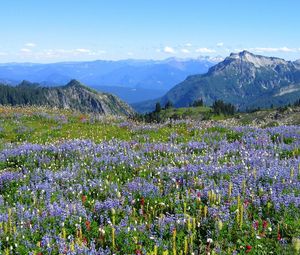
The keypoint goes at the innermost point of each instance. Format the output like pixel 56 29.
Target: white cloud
pixel 3 54
pixel 30 44
pixel 25 50
pixel 269 49
pixel 66 53
pixel 55 52
pixel 83 50
pixel 220 44
pixel 101 51
pixel 129 53
pixel 238 50
pixel 186 51
pixel 286 49
pixel 188 45
pixel 168 49
pixel 205 50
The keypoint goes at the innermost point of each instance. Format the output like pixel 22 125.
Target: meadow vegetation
pixel 74 183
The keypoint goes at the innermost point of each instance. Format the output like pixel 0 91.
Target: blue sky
pixel 63 30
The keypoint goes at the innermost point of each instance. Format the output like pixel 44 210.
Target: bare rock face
pixel 79 97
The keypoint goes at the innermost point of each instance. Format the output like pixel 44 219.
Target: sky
pixel 47 31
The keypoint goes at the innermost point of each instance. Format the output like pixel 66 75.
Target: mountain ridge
pixel 243 79
pixel 97 73
pixel 74 95
pixel 155 76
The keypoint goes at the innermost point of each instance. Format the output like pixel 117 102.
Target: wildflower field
pixel 80 184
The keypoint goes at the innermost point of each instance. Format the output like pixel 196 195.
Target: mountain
pixel 132 95
pixel 159 75
pixel 243 79
pixel 297 62
pixel 73 96
pixel 156 76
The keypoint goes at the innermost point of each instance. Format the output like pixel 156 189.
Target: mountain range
pixel 131 80
pixel 74 96
pixel 243 79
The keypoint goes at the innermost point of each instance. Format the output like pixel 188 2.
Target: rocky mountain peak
pixel 244 79
pixel 257 60
pixel 74 83
pixel 242 54
pixel 26 83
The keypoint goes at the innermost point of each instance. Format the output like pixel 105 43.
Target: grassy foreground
pixel 81 184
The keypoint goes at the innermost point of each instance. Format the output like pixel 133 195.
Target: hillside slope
pixel 73 96
pixel 243 79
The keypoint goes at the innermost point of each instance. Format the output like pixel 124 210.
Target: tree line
pixel 21 95
pixel 219 107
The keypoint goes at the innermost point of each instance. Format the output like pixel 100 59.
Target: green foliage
pixel 173 156
pixel 169 104
pixel 220 107
pixel 23 94
pixel 197 113
pixel 271 124
pixel 197 103
pixel 280 138
pixel 157 107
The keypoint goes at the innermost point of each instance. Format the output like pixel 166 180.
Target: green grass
pixel 26 124
pixel 18 125
pixel 186 112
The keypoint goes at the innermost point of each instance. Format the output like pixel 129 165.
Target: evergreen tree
pixel 157 107
pixel 297 103
pixel 197 103
pixel 169 105
pixel 220 107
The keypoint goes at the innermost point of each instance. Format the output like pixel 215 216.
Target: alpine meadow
pixel 149 127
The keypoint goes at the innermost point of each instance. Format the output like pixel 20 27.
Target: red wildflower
pixel 142 201
pixel 84 241
pixel 278 236
pixel 138 252
pixel 246 203
pixel 88 225
pixel 83 198
pixel 248 248
pixel 265 224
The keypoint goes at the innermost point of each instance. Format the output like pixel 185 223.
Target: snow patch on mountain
pixel 287 90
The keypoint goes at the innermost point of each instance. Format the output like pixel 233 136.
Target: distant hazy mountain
pixel 132 95
pixel 244 79
pixel 159 75
pixel 156 76
pixel 74 96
